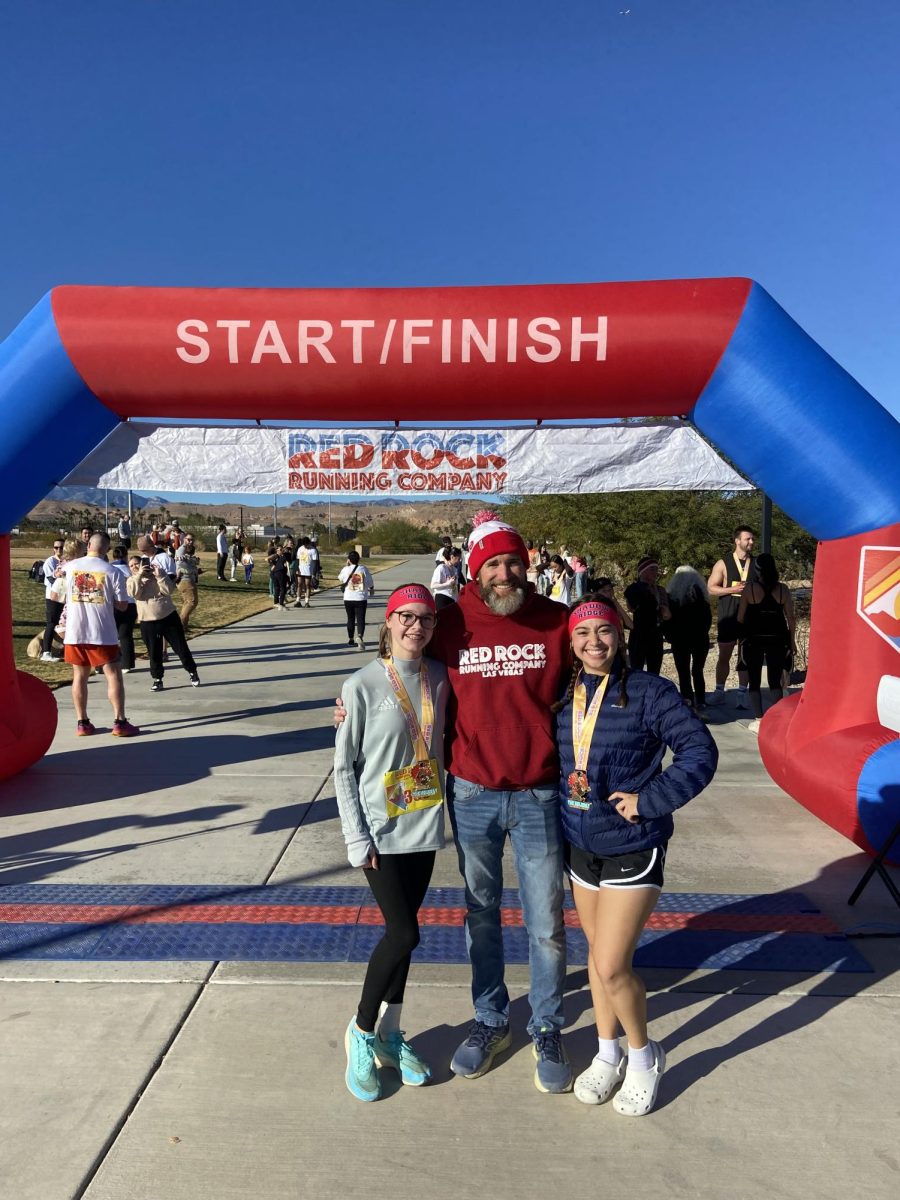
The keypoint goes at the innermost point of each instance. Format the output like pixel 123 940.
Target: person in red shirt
pixel 507 650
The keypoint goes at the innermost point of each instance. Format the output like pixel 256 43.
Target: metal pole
pixel 275 510
pixel 765 537
pixel 106 518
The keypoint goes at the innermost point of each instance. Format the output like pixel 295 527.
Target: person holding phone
pixel 614 725
pixel 151 589
pixel 389 779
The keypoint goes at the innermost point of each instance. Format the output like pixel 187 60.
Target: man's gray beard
pixel 503 606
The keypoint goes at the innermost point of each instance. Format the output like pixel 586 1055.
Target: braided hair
pixel 621 659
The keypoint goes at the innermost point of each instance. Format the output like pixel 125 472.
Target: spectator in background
pixel 85 536
pixel 560 580
pixel 94 590
pixel 124 531
pixel 649 606
pixel 767 626
pixel 151 588
pixel 235 552
pixel 579 577
pixel 444 580
pixel 315 563
pixel 358 586
pixel 221 552
pixel 126 618
pixel 187 578
pixel 606 590
pixel 52 606
pixel 247 563
pixel 304 573
pixel 688 632
pixel 278 573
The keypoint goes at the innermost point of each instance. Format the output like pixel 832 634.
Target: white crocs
pixel 637 1094
pixel 599 1081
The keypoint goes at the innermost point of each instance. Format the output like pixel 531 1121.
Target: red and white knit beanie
pixel 491 536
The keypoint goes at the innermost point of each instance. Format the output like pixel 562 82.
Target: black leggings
pixel 755 650
pixel 166 629
pixel 399 886
pixel 356 615
pixel 690 659
pixel 279 587
pixel 53 611
pixel 645 652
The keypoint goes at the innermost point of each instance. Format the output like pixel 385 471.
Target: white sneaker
pixel 360 643
pixel 753 726
pixel 47 656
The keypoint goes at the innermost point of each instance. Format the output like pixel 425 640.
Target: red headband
pixel 410 593
pixel 596 611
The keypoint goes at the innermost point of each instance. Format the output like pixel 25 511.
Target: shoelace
pixel 549 1046
pixel 363 1054
pixel 482 1035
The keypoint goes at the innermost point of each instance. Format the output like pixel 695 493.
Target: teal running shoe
pixel 395 1051
pixel 362 1075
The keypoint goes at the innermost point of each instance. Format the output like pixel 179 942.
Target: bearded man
pixel 507 651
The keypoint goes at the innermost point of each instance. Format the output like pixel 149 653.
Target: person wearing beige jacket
pixel 160 623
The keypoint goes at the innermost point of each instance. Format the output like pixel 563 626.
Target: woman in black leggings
pixel 389 780
pixel 766 626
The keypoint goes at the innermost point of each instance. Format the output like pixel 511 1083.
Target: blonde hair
pixel 385 646
pixel 73 548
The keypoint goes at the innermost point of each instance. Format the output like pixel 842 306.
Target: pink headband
pixel 593 610
pixel 410 593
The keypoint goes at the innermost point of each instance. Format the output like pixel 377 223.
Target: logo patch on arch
pixel 878 602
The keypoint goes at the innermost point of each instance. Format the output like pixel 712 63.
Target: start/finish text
pixel 366 341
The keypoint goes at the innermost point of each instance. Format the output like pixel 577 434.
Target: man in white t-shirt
pixel 94 592
pixel 221 552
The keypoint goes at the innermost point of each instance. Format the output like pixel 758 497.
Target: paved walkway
pixel 172 1079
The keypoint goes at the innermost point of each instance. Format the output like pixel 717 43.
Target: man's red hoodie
pixel 505 672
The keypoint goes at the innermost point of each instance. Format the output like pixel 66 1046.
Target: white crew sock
pixel 609 1051
pixel 641 1059
pixel 390 1019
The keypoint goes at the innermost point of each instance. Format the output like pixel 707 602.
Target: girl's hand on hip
pixel 626 804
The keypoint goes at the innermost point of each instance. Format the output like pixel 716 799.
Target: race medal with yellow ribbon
pixel 418 786
pixel 583 721
pixel 743 568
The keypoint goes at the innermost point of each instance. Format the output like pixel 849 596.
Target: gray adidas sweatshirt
pixel 373 739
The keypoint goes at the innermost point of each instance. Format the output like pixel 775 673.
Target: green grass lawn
pixel 220 603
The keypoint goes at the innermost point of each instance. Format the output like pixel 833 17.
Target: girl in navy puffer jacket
pixel 613 729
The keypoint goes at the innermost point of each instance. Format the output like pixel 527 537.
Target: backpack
pixel 36 571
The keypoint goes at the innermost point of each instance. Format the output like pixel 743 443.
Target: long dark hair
pixel 768 571
pixel 621 659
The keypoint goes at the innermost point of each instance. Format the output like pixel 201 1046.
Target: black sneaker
pixel 195 680
pixel 474 1057
pixel 156 685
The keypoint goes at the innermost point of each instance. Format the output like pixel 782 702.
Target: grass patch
pixel 220 603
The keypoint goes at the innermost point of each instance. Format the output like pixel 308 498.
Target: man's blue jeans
pixel 481 819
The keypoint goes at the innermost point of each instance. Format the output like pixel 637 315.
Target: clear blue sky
pixel 396 142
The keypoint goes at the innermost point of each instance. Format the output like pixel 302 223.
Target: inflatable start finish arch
pixel 719 351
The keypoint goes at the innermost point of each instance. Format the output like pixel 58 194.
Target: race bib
pixel 413 788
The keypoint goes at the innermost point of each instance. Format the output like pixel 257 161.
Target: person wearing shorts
pixel 94 592
pixel 614 726
pixel 726 582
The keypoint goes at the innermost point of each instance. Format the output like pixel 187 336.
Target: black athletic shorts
pixel 727 629
pixel 642 869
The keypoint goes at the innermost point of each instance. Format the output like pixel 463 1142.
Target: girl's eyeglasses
pixel 408 619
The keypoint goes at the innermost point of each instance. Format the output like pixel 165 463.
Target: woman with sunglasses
pixel 389 779
pixel 614 726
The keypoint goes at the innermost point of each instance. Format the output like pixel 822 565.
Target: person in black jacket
pixel 613 729
pixel 688 629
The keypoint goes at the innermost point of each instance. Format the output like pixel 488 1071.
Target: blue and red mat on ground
pixel 293 923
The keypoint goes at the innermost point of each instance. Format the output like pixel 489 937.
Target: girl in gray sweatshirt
pixel 389 779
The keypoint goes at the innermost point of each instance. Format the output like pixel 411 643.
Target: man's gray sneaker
pixel 475 1055
pixel 553 1072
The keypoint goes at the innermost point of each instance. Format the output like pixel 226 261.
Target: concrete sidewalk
pixel 173 1080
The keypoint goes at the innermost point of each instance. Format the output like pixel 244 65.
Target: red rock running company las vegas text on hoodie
pixel 505 672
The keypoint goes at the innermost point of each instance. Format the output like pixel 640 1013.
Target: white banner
pixel 623 457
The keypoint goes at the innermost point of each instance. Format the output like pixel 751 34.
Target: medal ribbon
pixel 583 722
pixel 743 568
pixel 420 735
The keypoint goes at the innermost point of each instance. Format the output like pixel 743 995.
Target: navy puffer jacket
pixel 626 756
